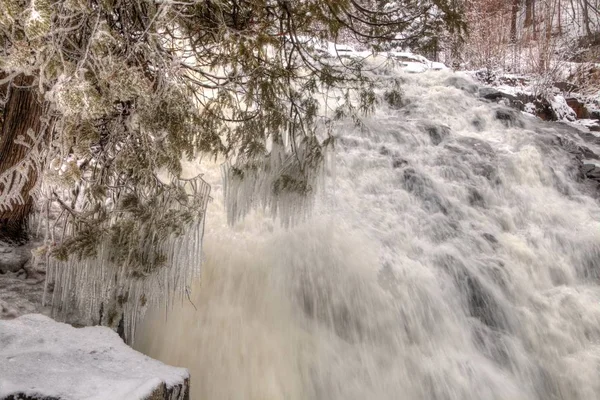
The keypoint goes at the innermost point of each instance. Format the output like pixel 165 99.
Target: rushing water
pixel 452 255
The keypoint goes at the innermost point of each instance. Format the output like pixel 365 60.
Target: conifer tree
pixel 108 93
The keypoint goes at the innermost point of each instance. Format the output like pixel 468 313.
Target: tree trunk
pixel 513 21
pixel 22 112
pixel 529 4
pixel 3 99
pixel 586 18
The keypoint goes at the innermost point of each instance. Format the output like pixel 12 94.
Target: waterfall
pixel 452 254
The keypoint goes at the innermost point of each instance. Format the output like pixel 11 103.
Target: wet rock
pixel 488 171
pixel 422 188
pixel 180 391
pixel 509 118
pixel 574 148
pixel 589 267
pixel 490 238
pixel 384 151
pixel 399 162
pixel 481 147
pixel 543 109
pixel 594 114
pixel 13 258
pixel 580 109
pixel 479 295
pixel 493 94
pixel 482 304
pixel 475 198
pixel 462 84
pixel 591 169
pixel 537 105
pixel 491 343
pixel 589 137
pixel 478 124
pixel 437 133
pixel 323 303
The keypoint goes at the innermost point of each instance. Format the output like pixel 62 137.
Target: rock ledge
pixel 47 360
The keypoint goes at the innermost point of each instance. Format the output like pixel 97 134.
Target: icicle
pixel 89 285
pixel 282 183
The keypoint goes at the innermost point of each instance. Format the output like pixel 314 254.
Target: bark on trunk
pixel 513 21
pixel 586 18
pixel 529 4
pixel 22 112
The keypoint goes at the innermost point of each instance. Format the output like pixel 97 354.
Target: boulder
pixel 493 94
pixel 44 359
pixel 580 109
pixel 462 84
pixel 591 169
pixel 437 133
pixel 594 113
pixel 13 257
pixel 509 118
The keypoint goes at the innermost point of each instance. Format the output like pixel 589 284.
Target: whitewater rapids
pixel 452 255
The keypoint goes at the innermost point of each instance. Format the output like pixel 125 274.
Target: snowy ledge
pixel 44 359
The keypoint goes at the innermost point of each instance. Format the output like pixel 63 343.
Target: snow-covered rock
pixel 415 63
pixel 44 359
pixel 13 258
pixel 562 109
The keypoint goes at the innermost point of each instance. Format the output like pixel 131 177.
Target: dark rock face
pixel 177 392
pixel 13 258
pixel 462 84
pixel 509 118
pixel 544 111
pixel 482 302
pixel 591 170
pixel 399 162
pixel 579 108
pixel 422 187
pixel 542 107
pixel 437 133
pixel 493 94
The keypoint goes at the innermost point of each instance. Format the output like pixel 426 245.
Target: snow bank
pixel 407 61
pixel 43 358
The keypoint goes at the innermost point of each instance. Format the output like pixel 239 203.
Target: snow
pixel 414 67
pixel 530 108
pixel 562 109
pixel 415 63
pixel 409 62
pixel 39 356
pixel 438 66
pixel 407 56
